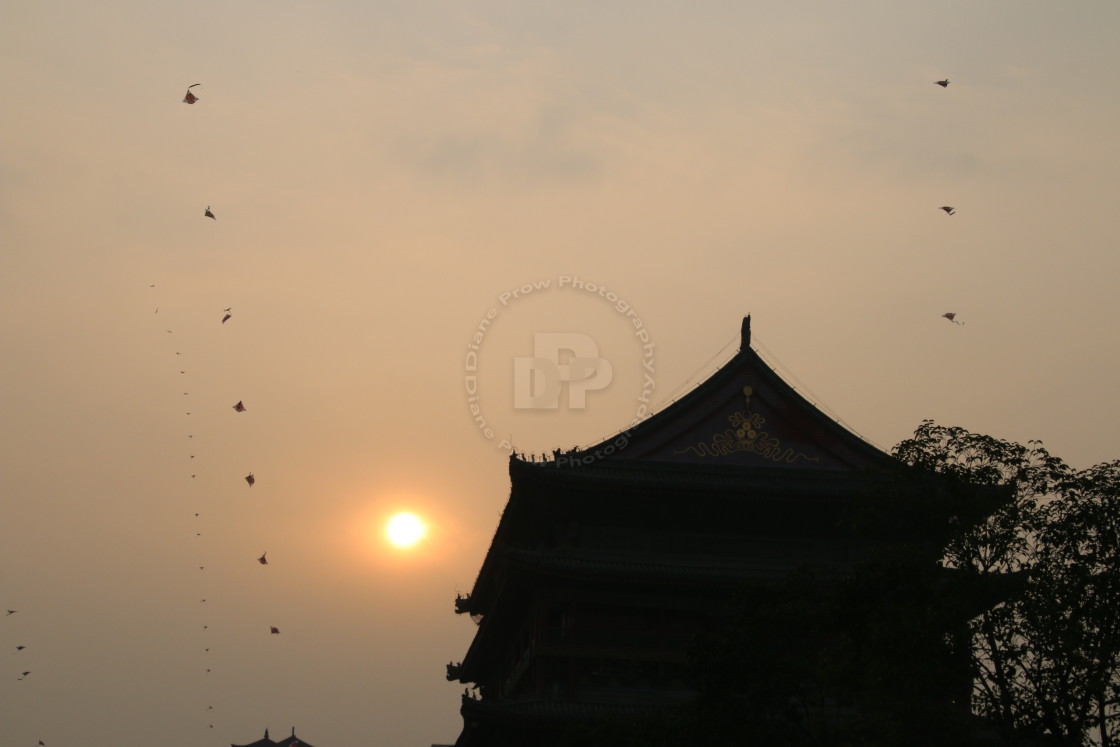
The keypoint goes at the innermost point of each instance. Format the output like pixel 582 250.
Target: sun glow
pixel 405 529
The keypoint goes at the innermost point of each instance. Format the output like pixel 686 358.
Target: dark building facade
pixel 608 562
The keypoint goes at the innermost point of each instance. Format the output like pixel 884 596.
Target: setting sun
pixel 405 530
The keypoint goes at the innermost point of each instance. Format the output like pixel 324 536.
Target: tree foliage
pixel 1046 660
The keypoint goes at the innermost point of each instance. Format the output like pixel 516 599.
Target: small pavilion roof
pixel 291 741
pixel 263 742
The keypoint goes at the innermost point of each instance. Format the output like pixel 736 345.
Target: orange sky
pixel 382 173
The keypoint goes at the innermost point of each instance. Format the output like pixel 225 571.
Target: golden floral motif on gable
pixel 746 435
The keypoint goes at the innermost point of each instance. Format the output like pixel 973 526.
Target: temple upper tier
pixel 744 414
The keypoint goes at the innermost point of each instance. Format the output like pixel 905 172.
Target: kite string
pixel 702 372
pixel 786 374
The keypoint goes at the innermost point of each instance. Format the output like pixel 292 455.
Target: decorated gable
pixel 746 415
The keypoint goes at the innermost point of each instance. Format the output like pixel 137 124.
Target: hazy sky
pixel 382 173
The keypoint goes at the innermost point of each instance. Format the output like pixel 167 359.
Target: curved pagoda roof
pixel 744 415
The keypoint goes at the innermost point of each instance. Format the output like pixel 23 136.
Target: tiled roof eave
pixel 546 712
pixel 672 477
pixel 684 572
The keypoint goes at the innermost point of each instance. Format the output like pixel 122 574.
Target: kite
pixel 262 559
pixel 942 83
pixel 22 676
pixel 947 209
pixel 20 648
pixel 11 612
pixel 190 98
pixel 952 317
pixel 240 406
pixel 227 316
pixel 250 479
pixel 274 629
pixel 209 214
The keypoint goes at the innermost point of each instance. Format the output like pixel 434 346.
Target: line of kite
pixel 949 210
pixel 190 98
pixel 18 648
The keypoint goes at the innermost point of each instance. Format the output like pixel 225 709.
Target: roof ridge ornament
pixel 745 333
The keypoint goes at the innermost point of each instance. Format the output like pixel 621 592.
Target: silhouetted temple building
pixel 291 741
pixel 608 561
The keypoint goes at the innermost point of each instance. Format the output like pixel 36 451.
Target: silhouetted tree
pixel 1046 660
